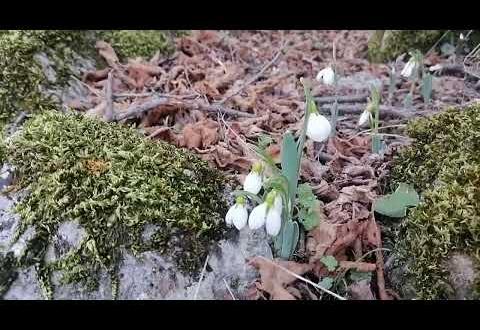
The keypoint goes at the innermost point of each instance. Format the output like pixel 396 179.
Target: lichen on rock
pixel 114 183
pixel 443 163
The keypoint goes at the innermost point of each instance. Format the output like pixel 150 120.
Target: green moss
pixel 444 164
pixel 387 45
pixel 21 76
pixel 140 43
pixel 114 183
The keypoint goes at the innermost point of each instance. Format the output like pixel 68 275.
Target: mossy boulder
pixel 115 185
pixel 38 64
pixel 439 241
pixel 386 45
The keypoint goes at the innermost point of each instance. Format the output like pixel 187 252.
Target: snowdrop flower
pixel 254 180
pixel 364 118
pixel 326 75
pixel 462 37
pixel 237 214
pixel 268 214
pixel 409 68
pixel 318 127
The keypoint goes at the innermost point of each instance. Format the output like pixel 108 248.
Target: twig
pixel 304 279
pixel 385 111
pixel 342 99
pixel 380 264
pixel 201 278
pixel 229 290
pixel 136 110
pixel 109 111
pixel 258 75
pixel 90 88
pixel 218 108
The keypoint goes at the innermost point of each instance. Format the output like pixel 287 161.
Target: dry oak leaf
pixel 320 239
pixel 275 280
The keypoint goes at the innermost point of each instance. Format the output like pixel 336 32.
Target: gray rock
pixel 462 276
pixel 360 81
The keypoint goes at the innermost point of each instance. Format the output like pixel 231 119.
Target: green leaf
pixel 330 262
pixel 264 141
pixel 254 197
pixel 326 283
pixel 376 144
pixel 395 205
pixel 308 218
pixel 289 164
pixel 306 197
pixel 359 276
pixel 427 81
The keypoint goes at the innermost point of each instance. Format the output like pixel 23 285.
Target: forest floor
pixel 221 92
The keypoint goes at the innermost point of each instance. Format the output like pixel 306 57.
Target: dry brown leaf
pixel 96 75
pixel 371 235
pixel 312 171
pixel 274 280
pixel 320 239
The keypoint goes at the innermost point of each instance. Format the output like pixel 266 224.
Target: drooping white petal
pixel 409 68
pixel 278 203
pixel 273 222
pixel 253 183
pixel 257 217
pixel 364 118
pixel 241 217
pixel 318 128
pixel 237 215
pixel 327 76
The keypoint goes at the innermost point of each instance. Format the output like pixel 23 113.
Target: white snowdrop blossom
pixel 318 127
pixel 327 76
pixel 257 217
pixel 254 180
pixel 268 213
pixel 364 118
pixel 462 37
pixel 409 68
pixel 237 214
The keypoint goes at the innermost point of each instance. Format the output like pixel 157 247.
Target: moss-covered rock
pixel 386 45
pixel 444 165
pixel 24 78
pixel 140 43
pixel 114 183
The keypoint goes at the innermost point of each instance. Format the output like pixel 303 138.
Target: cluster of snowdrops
pixel 318 128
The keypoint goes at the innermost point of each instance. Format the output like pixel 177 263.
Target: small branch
pixel 136 110
pixel 258 75
pixel 358 266
pixel 109 111
pixel 357 109
pixel 218 108
pixel 342 99
pixel 201 278
pixel 229 290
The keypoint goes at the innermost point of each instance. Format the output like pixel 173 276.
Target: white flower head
pixel 327 76
pixel 409 68
pixel 254 180
pixel 273 222
pixel 318 127
pixel 462 37
pixel 237 214
pixel 364 118
pixel 257 218
pixel 268 213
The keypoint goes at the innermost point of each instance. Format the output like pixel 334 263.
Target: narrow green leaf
pixel 289 164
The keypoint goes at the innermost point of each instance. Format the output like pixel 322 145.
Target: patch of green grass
pixel 444 164
pixel 114 183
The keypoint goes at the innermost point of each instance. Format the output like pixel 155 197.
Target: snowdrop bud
pixel 462 37
pixel 273 222
pixel 326 75
pixel 409 68
pixel 254 180
pixel 364 118
pixel 318 128
pixel 237 214
pixel 257 217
